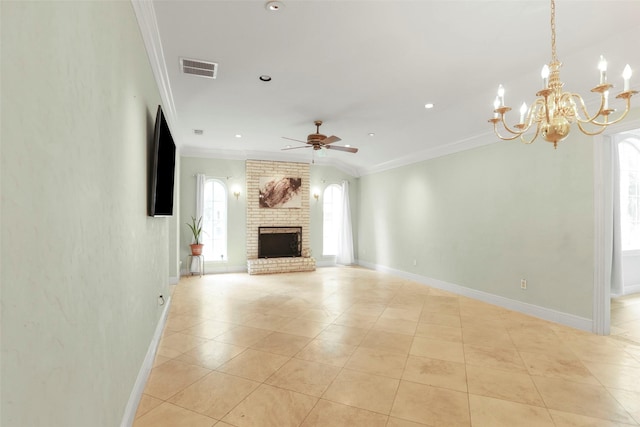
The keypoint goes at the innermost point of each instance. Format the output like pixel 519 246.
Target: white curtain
pixel 200 182
pixel 345 235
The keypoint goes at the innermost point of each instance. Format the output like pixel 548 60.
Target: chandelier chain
pixel 554 57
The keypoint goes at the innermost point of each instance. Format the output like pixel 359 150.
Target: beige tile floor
pixel 354 347
pixel 625 317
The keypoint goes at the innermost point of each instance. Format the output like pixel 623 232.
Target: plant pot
pixel 196 249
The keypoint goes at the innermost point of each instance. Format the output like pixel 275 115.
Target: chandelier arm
pixel 505 138
pixel 533 138
pixel 586 132
pixel 535 111
pixel 566 107
pixel 514 132
pixel 531 112
pixel 612 122
pixel 583 107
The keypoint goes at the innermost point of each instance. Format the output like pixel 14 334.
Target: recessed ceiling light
pixel 198 131
pixel 288 146
pixel 265 78
pixel 428 106
pixel 372 134
pixel 238 135
pixel 347 145
pixel 274 6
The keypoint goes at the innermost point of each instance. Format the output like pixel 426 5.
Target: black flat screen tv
pixel 163 163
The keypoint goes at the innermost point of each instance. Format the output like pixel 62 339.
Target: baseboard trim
pixel 549 314
pixel 145 370
pixel 174 280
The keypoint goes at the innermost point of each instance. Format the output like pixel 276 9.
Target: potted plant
pixel 196 229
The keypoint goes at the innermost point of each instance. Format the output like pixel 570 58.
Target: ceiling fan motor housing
pixel 316 137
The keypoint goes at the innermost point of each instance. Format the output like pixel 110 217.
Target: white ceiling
pixel 369 67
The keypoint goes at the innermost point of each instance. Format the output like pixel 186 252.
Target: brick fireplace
pixel 284 218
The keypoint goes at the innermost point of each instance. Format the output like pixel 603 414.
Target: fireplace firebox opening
pixel 279 242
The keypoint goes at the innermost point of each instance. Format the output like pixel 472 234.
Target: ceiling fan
pixel 318 141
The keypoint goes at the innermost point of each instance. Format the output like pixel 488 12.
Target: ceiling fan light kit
pixel 553 111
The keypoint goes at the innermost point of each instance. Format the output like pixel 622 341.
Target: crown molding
pixel 189 151
pixel 432 153
pixel 146 17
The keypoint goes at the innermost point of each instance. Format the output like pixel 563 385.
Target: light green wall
pixel 236 226
pixel 174 229
pixel 487 217
pixel 321 177
pixel 82 264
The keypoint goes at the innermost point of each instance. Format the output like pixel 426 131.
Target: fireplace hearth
pixel 279 242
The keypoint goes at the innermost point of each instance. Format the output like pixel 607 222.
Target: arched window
pixel 629 153
pixel 214 221
pixel 331 211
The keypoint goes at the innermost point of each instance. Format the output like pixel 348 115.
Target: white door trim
pixel 603 211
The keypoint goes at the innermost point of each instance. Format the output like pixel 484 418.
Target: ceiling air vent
pixel 199 68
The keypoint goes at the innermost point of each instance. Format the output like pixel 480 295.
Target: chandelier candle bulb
pixel 602 66
pixel 496 105
pixel 501 95
pixel 545 76
pixel 523 110
pixel 626 75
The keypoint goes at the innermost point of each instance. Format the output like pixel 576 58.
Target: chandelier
pixel 553 111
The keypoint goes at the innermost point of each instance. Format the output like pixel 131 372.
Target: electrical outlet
pixel 415 262
pixel 523 283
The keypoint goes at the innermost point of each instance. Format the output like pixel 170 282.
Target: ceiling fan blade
pixel 341 148
pixel 330 140
pixel 295 148
pixel 297 140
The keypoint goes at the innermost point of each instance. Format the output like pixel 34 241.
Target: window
pixel 214 221
pixel 331 211
pixel 629 152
